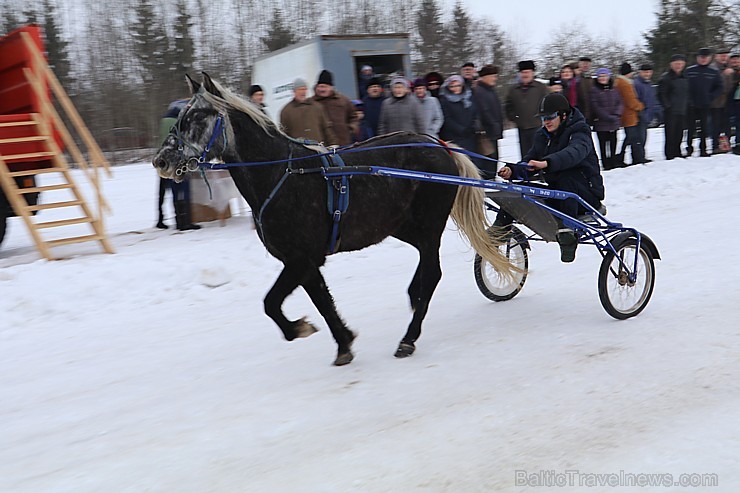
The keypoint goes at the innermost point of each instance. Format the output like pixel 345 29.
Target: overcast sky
pixel 531 22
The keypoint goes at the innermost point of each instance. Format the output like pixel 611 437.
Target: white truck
pixel 342 55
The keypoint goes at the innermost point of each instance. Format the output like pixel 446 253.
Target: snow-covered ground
pixel 156 370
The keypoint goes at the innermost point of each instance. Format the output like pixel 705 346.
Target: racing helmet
pixel 554 103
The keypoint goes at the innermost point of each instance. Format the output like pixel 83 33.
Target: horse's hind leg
pixel 286 283
pixel 427 276
pixel 315 286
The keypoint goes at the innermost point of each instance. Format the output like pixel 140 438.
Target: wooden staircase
pixel 33 166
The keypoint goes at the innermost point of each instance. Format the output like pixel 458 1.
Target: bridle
pixel 194 163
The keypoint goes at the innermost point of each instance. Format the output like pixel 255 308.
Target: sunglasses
pixel 433 84
pixel 547 118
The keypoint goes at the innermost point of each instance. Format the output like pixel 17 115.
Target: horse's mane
pixel 230 101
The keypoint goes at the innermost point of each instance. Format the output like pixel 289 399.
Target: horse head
pixel 199 135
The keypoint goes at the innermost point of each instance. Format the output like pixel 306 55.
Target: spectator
pixel 569 83
pixel 489 111
pixel 363 132
pixel 460 113
pixel 366 74
pixel 401 111
pixel 257 96
pixel 563 152
pixel 180 191
pixel 431 110
pixel 339 109
pixel 467 71
pixel 630 115
pixel 718 113
pixel 673 94
pixel 584 83
pixel 606 107
pixel 733 101
pixel 646 94
pixel 556 85
pixel 373 103
pixel 304 118
pixel 434 83
pixel 522 103
pixel 705 84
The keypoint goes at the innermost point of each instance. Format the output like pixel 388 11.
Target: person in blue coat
pixel 705 84
pixel 563 152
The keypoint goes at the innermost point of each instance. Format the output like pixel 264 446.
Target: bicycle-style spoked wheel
pixel 621 297
pixel 494 285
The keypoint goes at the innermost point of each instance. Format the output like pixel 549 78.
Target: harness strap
pixel 337 196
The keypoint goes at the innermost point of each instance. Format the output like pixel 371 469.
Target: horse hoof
pixel 405 349
pixel 344 359
pixel 304 329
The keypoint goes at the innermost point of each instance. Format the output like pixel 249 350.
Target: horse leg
pixel 287 281
pixel 317 290
pixel 427 276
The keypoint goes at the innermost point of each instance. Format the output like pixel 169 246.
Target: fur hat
pixel 526 65
pixel 325 77
pixel 646 66
pixel 298 82
pixel 678 57
pixel 374 82
pixel 253 89
pixel 420 82
pixel 468 64
pixel 488 70
pixel 625 69
pixel 704 52
pixel 555 81
pixel 584 59
pixel 603 71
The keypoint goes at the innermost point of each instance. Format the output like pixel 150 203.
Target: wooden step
pixel 76 239
pixel 30 155
pixel 38 171
pixel 54 205
pixel 64 222
pixel 47 188
pixel 33 138
pixel 18 124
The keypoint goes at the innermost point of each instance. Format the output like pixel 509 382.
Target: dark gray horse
pixel 295 225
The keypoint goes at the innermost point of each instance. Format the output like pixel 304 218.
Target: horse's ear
pixel 209 85
pixel 194 86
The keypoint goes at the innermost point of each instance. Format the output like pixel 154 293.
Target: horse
pixel 291 212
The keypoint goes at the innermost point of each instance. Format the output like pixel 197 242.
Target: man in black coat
pixel 563 151
pixel 490 111
pixel 705 84
pixel 673 94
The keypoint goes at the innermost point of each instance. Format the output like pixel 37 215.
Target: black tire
pixel 621 298
pixel 496 287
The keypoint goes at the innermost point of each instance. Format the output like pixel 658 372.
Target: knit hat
pixel 253 89
pixel 468 64
pixel 488 70
pixel 526 65
pixel 298 82
pixel 555 81
pixel 646 66
pixel 625 68
pixel 678 57
pixel 325 77
pixel 603 71
pixel 420 82
pixel 400 80
pixel 434 77
pixel 366 67
pixel 704 52
pixel 454 78
pixel 374 82
pixel 358 104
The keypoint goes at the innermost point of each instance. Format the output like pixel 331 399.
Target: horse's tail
pixel 468 212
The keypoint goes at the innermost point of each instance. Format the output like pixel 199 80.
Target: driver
pixel 563 152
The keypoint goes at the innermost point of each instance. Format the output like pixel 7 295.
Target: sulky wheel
pixel 493 285
pixel 621 297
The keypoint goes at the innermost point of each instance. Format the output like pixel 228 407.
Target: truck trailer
pixel 342 55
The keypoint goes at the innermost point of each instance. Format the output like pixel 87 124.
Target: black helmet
pixel 553 103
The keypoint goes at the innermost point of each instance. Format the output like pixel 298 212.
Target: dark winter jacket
pixel 583 89
pixel 523 102
pixel 341 113
pixel 606 107
pixel 570 157
pixel 705 84
pixel 646 93
pixel 307 120
pixel 461 119
pixel 673 93
pixel 489 108
pixel 372 113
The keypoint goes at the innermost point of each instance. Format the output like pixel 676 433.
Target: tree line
pixel 123 61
